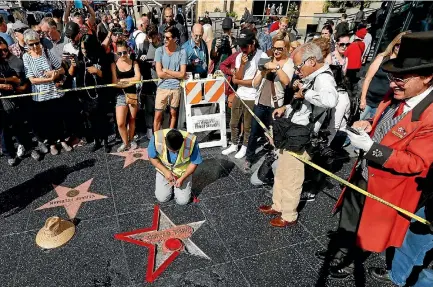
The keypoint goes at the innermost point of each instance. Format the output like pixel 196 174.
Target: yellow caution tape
pixel 330 174
pixel 75 89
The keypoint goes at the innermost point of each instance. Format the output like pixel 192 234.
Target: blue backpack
pixel 131 42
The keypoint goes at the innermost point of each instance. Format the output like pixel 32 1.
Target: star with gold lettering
pixel 165 241
pixel 72 198
pixel 132 156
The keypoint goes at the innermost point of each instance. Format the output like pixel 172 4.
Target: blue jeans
pixel 367 113
pixel 264 113
pixel 411 254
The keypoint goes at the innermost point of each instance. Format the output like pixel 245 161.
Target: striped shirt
pixel 35 68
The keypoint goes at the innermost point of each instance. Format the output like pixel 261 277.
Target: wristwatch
pixel 278 67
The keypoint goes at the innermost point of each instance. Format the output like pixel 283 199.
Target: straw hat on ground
pixel 55 233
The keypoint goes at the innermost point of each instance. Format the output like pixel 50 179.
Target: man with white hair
pixel 139 37
pixel 197 52
pixel 317 93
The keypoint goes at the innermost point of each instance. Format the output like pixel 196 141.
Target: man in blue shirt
pixel 170 64
pixel 197 53
pixel 3 34
pixel 175 155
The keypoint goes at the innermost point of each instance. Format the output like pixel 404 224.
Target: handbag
pixel 131 99
pixel 290 136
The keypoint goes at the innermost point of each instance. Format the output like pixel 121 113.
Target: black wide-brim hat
pixel 415 54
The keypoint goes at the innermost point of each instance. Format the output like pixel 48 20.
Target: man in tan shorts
pixel 170 62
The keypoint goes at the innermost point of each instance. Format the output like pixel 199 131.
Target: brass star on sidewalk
pixel 132 156
pixel 72 198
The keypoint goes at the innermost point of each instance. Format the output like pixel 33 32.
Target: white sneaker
pixel 133 145
pixel 242 152
pixel 149 134
pixel 231 149
pixel 21 150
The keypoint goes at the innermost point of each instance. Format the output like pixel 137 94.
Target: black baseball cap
pixel 71 30
pixel 227 23
pixel 246 37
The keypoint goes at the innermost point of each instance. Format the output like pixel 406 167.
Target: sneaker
pixel 231 149
pixel 149 134
pixel 66 147
pixel 308 196
pixel 12 161
pixel 53 150
pixel 35 155
pixel 21 151
pixel 133 145
pixel 379 274
pixel 241 153
pixel 42 147
pixel 122 148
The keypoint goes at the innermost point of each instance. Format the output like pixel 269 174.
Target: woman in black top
pixel 90 71
pixel 125 70
pixel 376 83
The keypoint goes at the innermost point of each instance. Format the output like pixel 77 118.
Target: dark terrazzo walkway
pixel 244 249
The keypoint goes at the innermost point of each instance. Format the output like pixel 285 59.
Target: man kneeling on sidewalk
pixel 175 155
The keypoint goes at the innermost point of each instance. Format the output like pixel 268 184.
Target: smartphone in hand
pixel 352 130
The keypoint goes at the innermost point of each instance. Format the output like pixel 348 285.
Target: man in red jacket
pixel 397 154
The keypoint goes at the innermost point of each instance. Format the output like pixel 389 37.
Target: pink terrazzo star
pixel 72 198
pixel 132 156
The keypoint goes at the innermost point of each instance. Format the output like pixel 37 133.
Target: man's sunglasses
pixel 4 50
pixel 343 45
pixel 298 67
pixel 120 54
pixel 279 49
pixel 35 44
pixel 399 81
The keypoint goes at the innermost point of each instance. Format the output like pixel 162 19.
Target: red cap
pixel 361 33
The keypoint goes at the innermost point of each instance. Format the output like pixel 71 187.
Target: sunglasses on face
pixel 279 49
pixel 198 36
pixel 123 53
pixel 299 67
pixel 35 44
pixel 343 45
pixel 399 81
pixel 4 50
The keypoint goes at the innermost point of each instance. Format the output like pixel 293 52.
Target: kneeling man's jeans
pixel 164 191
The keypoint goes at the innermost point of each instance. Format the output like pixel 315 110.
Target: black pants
pixel 352 76
pixel 12 124
pixel 48 120
pixel 94 116
pixel 351 210
pixel 149 110
pixel 264 113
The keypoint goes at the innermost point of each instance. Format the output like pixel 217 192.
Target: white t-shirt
pixel 249 93
pixel 339 115
pixel 289 69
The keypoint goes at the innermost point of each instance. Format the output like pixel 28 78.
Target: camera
pixel 262 62
pixel 225 44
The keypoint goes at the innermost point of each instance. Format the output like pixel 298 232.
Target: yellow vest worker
pixel 175 155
